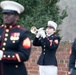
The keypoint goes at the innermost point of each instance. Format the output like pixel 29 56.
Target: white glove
pixel 40 29
pixel 39 32
pixel 1 54
pixel 42 33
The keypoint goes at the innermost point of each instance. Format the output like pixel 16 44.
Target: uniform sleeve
pixel 37 42
pixel 23 50
pixel 72 56
pixel 52 44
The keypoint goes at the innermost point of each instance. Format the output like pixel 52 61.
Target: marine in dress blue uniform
pixel 72 59
pixel 48 49
pixel 49 44
pixel 15 44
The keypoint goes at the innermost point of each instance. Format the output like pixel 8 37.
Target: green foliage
pixel 38 12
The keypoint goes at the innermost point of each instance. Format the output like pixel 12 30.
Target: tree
pixel 38 12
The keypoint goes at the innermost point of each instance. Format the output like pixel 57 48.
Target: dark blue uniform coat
pixel 72 58
pixel 49 49
pixel 16 47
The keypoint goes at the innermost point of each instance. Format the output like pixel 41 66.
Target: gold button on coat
pixel 13 41
pixel 44 45
pixel 44 49
pixel 18 26
pixel 9 56
pixel 6 35
pixel 7 30
pixel 16 66
pixel 5 39
pixel 10 26
pixel 5 26
pixel 4 56
pixel 4 44
pixel 44 53
pixel 3 49
pixel 13 56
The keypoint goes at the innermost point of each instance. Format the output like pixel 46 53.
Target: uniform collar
pixel 51 35
pixel 9 26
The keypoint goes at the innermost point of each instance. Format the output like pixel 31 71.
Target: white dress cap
pixel 11 5
pixel 52 24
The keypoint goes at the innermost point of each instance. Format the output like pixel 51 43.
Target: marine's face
pixel 9 18
pixel 49 30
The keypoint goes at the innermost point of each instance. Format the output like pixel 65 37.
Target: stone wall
pixel 62 55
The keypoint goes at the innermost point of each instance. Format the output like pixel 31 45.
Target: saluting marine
pixel 15 44
pixel 49 42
